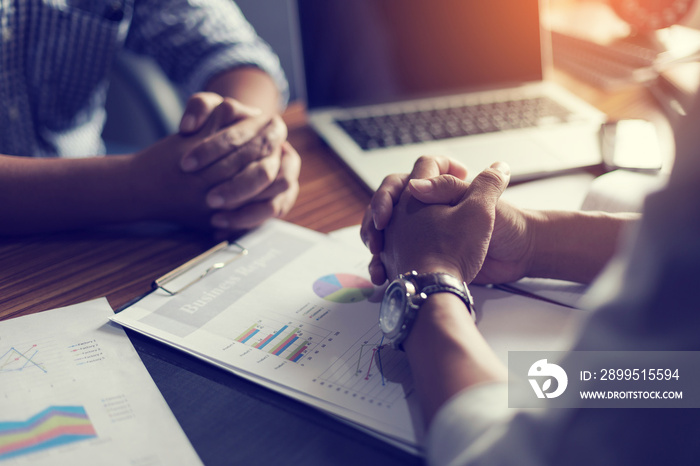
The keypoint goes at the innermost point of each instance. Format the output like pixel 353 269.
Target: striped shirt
pixel 56 56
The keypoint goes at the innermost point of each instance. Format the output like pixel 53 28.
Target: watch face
pixel 392 309
pixel 648 15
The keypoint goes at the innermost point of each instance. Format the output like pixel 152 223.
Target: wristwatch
pixel 404 297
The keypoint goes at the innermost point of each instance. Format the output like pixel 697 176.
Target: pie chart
pixel 343 288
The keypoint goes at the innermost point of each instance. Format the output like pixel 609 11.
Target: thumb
pixel 492 182
pixel 443 189
pixel 199 106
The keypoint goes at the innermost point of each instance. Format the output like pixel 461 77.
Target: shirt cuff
pixel 460 423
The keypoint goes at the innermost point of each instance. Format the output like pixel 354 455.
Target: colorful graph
pixel 52 427
pixel 343 288
pixel 14 360
pixel 287 341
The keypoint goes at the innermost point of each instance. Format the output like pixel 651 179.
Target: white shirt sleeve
pixel 473 426
pixel 464 419
pixel 648 301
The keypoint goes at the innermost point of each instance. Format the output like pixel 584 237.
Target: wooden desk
pixel 43 272
pixel 48 271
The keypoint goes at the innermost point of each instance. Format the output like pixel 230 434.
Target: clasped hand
pixel 432 220
pixel 229 168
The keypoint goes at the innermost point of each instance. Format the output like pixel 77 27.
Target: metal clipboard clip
pixel 189 265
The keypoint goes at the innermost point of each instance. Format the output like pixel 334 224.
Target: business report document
pixel 74 391
pixel 298 314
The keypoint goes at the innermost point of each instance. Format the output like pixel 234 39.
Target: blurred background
pixel 590 41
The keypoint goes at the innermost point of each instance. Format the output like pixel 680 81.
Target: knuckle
pixel 273 210
pixel 228 108
pixel 231 137
pixel 393 179
pixel 492 179
pixel 279 207
pixel 292 161
pixel 198 99
pixel 386 181
pixel 284 184
pixel 390 182
pixel 379 199
pixel 267 209
pixel 425 159
pixel 279 128
pixel 230 103
pixel 266 144
pixel 198 153
pixel 257 147
pixel 264 173
pixel 450 181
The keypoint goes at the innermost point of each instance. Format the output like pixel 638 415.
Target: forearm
pixel 447 353
pixel 41 195
pixel 248 85
pixel 573 245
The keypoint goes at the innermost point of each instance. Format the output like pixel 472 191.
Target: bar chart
pixel 289 340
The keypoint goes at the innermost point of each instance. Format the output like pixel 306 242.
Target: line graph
pixel 371 371
pixel 376 358
pixel 18 360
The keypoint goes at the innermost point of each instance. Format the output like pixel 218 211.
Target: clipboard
pixel 169 277
pixel 161 282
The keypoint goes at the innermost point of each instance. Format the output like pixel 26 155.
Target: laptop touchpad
pixel 524 155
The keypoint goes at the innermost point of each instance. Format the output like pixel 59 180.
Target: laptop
pixel 387 81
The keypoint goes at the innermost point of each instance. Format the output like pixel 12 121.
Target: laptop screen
pixel 359 52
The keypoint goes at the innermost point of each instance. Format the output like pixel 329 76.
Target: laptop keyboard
pixel 388 130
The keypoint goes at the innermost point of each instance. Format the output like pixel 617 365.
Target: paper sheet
pixel 622 191
pixel 561 292
pixel 564 192
pixel 74 391
pixel 299 315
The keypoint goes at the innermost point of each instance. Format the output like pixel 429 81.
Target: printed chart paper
pixel 298 315
pixel 74 391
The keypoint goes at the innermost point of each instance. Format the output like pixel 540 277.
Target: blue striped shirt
pixel 56 56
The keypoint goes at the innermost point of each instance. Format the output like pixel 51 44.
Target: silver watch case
pixel 404 297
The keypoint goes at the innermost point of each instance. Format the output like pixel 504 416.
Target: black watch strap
pixel 431 283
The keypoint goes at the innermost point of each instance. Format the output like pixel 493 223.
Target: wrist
pixel 447 353
pixel 553 237
pixel 142 193
pixel 406 296
pixel 536 224
pixel 573 245
pixel 442 314
pixel 431 266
